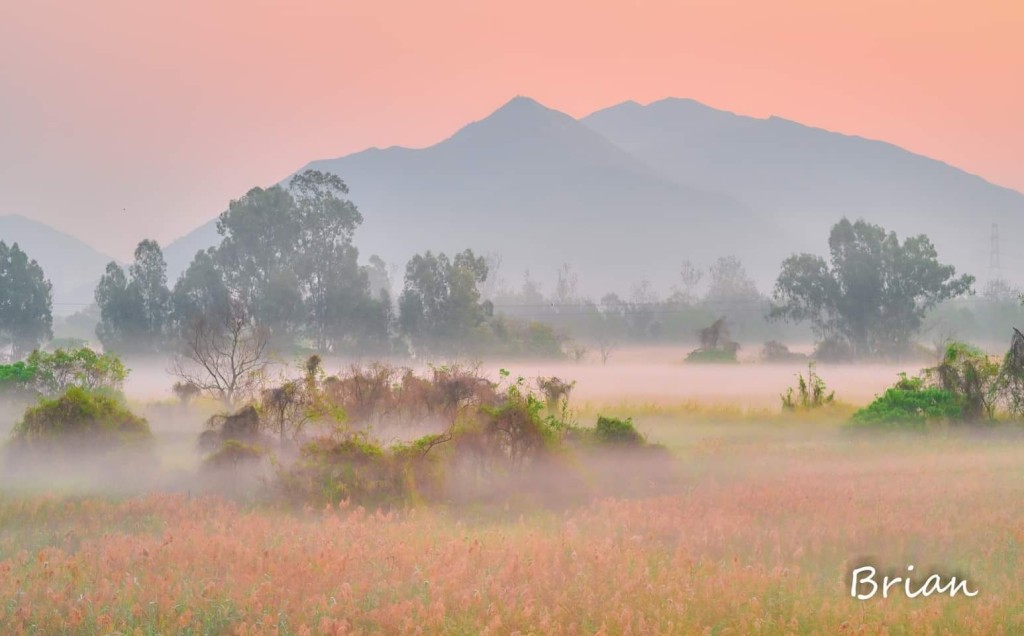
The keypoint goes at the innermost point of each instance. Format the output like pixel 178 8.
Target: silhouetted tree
pixel 873 293
pixel 26 302
pixel 441 299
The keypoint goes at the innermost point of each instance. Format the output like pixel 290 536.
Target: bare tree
pixel 606 344
pixel 224 356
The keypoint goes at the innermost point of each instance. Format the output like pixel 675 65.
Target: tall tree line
pixel 26 303
pixel 286 256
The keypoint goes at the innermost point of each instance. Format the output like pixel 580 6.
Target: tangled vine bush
pixel 80 418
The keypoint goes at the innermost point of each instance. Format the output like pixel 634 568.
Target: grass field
pixel 758 534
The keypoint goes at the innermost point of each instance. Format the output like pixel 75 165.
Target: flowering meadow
pixel 758 537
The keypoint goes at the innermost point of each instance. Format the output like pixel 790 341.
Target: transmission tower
pixel 995 267
pixel 996 286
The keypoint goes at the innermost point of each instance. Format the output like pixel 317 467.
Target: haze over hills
pixel 807 178
pixel 540 189
pixel 623 195
pixel 72 266
pixel 628 192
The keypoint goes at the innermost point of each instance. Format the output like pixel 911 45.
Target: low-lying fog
pixel 635 378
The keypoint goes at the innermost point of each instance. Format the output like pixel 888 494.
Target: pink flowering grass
pixel 759 538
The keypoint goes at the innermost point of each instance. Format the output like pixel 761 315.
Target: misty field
pixel 757 533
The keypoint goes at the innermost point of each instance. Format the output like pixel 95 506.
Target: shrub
pixel 810 392
pixel 910 403
pixel 233 453
pixel 516 429
pixel 712 356
pixel 244 425
pixel 774 351
pixel 968 374
pixel 346 466
pixel 610 430
pixel 81 416
pixel 556 390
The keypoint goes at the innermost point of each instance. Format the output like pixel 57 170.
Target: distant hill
pixel 72 266
pixel 807 178
pixel 627 193
pixel 540 189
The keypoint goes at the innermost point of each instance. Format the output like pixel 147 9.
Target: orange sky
pixel 168 109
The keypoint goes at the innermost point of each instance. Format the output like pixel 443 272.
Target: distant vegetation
pixel 26 303
pixel 870 299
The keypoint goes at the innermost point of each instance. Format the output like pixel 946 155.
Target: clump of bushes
pixel 610 430
pixel 774 351
pixel 715 345
pixel 713 356
pixel 80 417
pixel 967 373
pixel 910 403
pixel 354 466
pixel 501 440
pixel 966 387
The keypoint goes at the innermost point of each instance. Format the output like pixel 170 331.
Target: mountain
pixel 807 178
pixel 539 188
pixel 179 253
pixel 627 193
pixel 72 266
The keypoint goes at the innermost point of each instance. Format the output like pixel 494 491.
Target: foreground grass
pixel 759 538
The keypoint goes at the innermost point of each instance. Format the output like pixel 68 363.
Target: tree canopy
pixel 441 298
pixel 26 303
pixel 135 309
pixel 870 298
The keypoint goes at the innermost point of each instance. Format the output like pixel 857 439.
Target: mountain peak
pixel 518 117
pixel 522 110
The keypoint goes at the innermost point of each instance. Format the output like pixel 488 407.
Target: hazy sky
pixel 166 110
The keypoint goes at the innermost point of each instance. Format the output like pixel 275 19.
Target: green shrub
pixel 81 416
pixel 610 430
pixel 232 453
pixel 910 403
pixel 344 466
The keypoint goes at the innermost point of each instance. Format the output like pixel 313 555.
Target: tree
pixel 257 257
pixel 62 369
pixel 732 293
pixel 872 295
pixel 729 283
pixel 689 280
pixel 26 302
pixel 201 291
pixel 333 283
pixel 135 309
pixel 224 354
pixel 287 256
pixel 441 299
